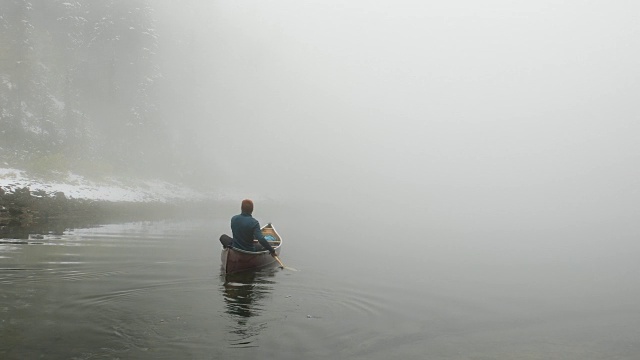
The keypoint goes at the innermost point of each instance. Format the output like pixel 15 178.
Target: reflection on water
pixel 153 290
pixel 243 293
pixel 136 290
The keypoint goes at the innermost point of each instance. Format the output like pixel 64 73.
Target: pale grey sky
pixel 415 97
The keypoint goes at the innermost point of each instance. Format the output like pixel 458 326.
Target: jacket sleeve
pixel 257 234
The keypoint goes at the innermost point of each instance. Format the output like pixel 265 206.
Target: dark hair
pixel 247 206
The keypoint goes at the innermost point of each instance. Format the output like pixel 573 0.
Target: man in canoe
pixel 245 228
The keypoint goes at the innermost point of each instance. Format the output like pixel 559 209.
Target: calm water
pixel 154 290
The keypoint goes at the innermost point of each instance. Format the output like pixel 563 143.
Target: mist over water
pixel 511 105
pixel 513 122
pixel 495 140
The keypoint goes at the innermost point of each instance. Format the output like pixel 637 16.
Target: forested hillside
pixel 78 87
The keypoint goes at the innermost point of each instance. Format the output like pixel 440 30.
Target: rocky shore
pixel 24 212
pixel 31 205
pixel 22 207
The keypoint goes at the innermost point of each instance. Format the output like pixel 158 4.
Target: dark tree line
pixel 78 84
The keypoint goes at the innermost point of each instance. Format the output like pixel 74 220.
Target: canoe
pixel 236 260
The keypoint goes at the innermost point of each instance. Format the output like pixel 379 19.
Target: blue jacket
pixel 245 228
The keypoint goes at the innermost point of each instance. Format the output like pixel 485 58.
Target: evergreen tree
pixel 78 78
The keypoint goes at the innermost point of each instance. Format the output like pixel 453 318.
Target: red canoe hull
pixel 236 260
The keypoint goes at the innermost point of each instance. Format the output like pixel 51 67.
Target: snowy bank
pixel 111 189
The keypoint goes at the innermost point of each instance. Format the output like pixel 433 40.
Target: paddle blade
pixel 282 265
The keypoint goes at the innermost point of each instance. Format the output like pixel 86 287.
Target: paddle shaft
pixel 278 260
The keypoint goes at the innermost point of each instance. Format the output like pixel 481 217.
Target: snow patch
pixel 57 103
pixel 7 83
pixel 111 189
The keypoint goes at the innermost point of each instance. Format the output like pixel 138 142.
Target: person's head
pixel 247 206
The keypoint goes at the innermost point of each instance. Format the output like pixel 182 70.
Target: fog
pixel 502 136
pixel 498 109
pixel 505 113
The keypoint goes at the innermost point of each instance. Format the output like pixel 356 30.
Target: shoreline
pixel 37 205
pixel 105 188
pixel 24 213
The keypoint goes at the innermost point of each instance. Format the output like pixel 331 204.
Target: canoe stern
pixel 236 260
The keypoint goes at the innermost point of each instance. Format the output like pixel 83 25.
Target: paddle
pixel 281 264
